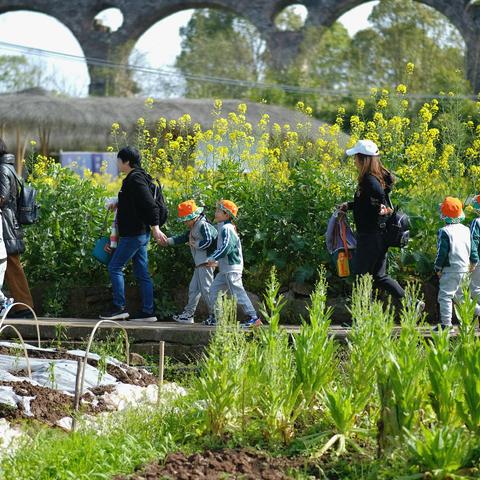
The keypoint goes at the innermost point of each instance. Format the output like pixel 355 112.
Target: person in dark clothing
pixel 137 215
pixel 370 204
pixel 13 236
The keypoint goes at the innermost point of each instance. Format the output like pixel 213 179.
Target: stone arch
pixel 48 13
pixel 163 9
pixel 323 13
pixel 208 6
pixel 463 14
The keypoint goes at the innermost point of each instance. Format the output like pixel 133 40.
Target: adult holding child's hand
pixel 138 214
pixel 369 206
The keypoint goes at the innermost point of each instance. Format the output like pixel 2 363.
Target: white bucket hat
pixel 365 147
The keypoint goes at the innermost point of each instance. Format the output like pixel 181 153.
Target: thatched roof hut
pixel 63 123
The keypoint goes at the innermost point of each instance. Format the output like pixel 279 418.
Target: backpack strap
pixel 17 177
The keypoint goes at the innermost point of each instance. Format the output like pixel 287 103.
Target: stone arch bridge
pixel 140 15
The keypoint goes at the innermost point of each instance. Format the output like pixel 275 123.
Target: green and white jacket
pixel 475 240
pixel 203 235
pixel 453 249
pixel 229 249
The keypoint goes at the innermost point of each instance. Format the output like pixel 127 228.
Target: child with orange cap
pixel 200 236
pixel 229 257
pixel 453 258
pixel 475 251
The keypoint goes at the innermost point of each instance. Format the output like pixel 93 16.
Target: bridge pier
pixel 472 61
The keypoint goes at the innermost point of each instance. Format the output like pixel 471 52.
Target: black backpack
pixel 157 195
pixel 396 228
pixel 27 207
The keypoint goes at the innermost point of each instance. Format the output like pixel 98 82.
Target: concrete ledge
pixel 181 341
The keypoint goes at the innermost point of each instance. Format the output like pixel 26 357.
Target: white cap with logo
pixel 365 147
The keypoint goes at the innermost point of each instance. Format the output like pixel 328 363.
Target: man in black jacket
pixel 13 235
pixel 137 214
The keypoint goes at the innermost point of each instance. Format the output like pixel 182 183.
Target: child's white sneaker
pixel 183 318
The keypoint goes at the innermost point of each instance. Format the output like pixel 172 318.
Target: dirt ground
pixel 218 465
pixel 49 405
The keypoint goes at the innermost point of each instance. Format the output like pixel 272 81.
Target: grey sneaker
pixel 183 318
pixel 211 321
pixel 441 327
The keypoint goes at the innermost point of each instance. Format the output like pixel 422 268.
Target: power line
pixel 99 62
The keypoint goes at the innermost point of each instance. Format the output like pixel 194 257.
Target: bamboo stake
pixel 78 394
pixel 161 364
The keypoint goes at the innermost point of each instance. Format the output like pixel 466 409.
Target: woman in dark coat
pixel 13 235
pixel 369 205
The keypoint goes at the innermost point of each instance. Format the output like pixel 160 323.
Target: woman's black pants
pixel 371 257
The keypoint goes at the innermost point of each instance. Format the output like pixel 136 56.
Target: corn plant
pixel 273 367
pixel 444 377
pixel 468 405
pixel 314 350
pixel 441 450
pixel 369 338
pixel 400 378
pixel 468 353
pixel 220 380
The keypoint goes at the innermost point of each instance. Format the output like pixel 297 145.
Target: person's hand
pixel 439 273
pixel 384 210
pixel 343 207
pixel 162 243
pixel 211 263
pixel 192 242
pixel 111 204
pixel 159 236
pixel 473 266
pixel 108 248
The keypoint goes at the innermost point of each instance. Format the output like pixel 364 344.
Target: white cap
pixel 366 147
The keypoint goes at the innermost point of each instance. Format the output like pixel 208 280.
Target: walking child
pixel 452 263
pixel 475 252
pixel 200 236
pixel 229 257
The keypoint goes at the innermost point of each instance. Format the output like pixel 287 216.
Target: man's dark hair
pixel 3 147
pixel 130 155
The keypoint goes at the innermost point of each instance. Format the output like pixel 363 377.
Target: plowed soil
pixel 218 465
pixel 49 405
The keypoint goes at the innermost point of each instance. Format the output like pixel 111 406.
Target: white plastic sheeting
pixel 8 434
pixel 57 374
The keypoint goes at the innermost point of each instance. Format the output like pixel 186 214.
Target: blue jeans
pixel 134 248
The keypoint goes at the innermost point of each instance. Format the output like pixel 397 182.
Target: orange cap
pixel 228 206
pixel 188 210
pixel 452 208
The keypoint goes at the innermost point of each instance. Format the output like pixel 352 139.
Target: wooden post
pixel 78 394
pixel 161 364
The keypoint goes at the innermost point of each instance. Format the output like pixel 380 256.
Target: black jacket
pixel 12 231
pixel 366 205
pixel 137 210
